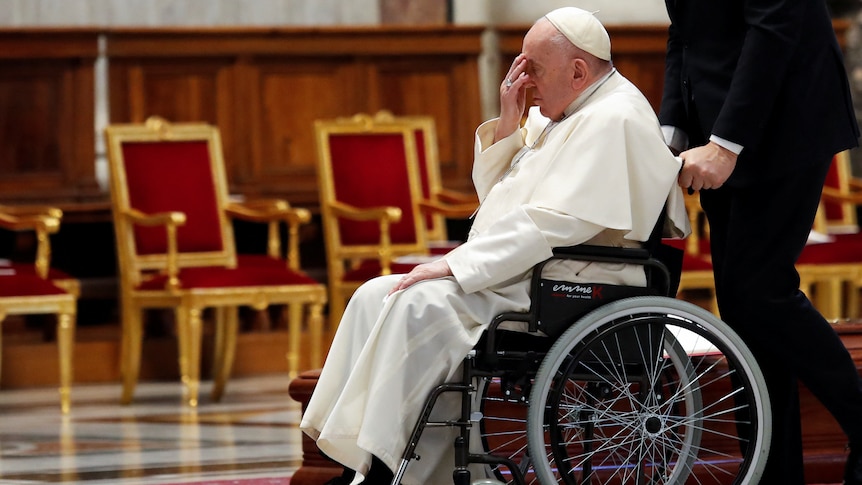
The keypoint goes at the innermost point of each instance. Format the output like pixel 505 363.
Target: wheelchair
pixel 609 385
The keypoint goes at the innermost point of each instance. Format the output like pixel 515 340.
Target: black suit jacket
pixel 767 74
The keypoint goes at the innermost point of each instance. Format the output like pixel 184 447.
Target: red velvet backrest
pixel 370 170
pixel 173 176
pixel 834 210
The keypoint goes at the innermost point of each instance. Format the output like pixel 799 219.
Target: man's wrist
pixel 736 148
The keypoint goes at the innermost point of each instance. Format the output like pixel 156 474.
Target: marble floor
pixel 251 437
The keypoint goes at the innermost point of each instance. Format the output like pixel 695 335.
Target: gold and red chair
pixel 369 202
pixel 382 201
pixel 831 271
pixel 29 289
pixel 176 250
pixel 437 203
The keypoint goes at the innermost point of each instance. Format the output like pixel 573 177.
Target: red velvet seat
pixel 176 249
pixel 64 280
pixel 20 285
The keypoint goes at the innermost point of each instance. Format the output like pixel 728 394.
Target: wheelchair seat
pixel 608 385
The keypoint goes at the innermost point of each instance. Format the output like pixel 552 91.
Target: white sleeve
pixel 514 244
pixel 491 160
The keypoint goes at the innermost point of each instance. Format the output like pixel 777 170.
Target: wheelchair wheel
pixel 648 390
pixel 503 430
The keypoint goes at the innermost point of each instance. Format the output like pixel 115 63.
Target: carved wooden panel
pixel 47 152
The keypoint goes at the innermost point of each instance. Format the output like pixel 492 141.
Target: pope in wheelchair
pixel 506 356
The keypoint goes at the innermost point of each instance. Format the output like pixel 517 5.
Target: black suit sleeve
pixel 673 111
pixel 773 31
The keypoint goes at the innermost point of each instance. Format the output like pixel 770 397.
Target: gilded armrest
pixel 43 220
pixel 447 210
pixel 834 195
pixel 448 196
pixel 272 212
pixel 855 183
pixel 385 216
pixel 171 220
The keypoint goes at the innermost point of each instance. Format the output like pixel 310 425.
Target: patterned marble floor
pixel 251 437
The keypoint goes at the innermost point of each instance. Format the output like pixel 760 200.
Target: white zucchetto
pixel 583 29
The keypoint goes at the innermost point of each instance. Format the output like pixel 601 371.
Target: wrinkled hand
pixel 425 271
pixel 513 98
pixel 706 167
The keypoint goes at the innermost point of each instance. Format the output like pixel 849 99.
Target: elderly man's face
pixel 550 71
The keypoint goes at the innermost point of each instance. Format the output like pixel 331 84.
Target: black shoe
pixel 853 468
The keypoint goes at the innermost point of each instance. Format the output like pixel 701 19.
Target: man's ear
pixel 580 73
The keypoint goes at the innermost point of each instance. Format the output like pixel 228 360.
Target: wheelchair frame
pixel 529 375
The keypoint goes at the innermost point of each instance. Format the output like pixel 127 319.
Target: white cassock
pixel 599 176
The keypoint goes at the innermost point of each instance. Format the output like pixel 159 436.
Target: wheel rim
pixel 682 413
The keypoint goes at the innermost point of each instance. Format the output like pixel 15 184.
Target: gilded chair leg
pixel 830 303
pixel 836 302
pixel 227 327
pixel 192 351
pixel 130 359
pixel 315 328
pixel 65 345
pixel 853 299
pixel 181 315
pixel 218 338
pixel 294 334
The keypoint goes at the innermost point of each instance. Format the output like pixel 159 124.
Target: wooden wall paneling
pixel 638 53
pixel 282 97
pixel 429 87
pixel 47 142
pixel 177 89
pixel 467 117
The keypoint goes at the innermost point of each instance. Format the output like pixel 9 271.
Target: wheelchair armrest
pixel 600 253
pixel 608 254
pixel 605 254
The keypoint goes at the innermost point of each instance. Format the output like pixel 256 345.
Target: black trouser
pixel 757 234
